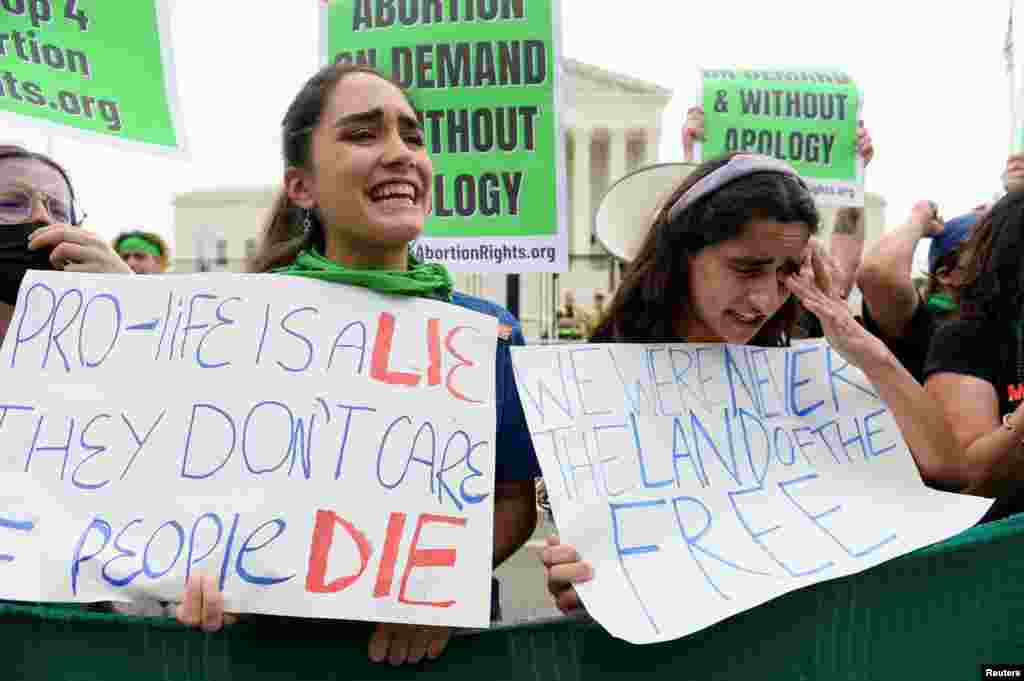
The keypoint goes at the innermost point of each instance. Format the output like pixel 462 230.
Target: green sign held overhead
pixel 483 76
pixel 806 117
pixel 91 67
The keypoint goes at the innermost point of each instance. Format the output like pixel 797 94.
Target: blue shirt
pixel 514 456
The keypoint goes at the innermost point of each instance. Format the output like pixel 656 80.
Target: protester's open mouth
pixel 399 193
pixel 747 318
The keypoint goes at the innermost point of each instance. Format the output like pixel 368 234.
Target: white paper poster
pixel 702 480
pixel 322 450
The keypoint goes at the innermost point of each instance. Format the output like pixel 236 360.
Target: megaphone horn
pixel 627 209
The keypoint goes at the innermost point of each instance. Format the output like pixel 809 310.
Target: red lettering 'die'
pixel 428 558
pixel 323 537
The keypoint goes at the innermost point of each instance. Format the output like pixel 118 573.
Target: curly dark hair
pixel 655 290
pixel 994 263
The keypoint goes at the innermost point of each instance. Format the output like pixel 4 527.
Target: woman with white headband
pixel 721 263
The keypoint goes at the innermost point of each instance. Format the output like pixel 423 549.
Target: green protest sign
pixel 483 75
pixel 91 67
pixel 806 117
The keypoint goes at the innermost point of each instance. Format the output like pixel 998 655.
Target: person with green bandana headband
pixel 144 252
pixel 356 194
pixel 894 310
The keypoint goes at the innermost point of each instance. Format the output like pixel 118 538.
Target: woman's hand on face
pixel 813 287
pixel 399 644
pixel 76 250
pixel 202 605
pixel 564 568
pixel 831 267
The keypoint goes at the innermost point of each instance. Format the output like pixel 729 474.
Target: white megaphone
pixel 628 207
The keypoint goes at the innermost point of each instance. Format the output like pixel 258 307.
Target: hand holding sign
pixel 77 250
pixel 926 214
pixel 1013 176
pixel 408 643
pixel 564 568
pixel 865 146
pixel 202 604
pixel 693 132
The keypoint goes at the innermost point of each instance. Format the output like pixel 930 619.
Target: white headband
pixel 738 166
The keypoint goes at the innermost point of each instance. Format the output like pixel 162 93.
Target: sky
pixel 935 91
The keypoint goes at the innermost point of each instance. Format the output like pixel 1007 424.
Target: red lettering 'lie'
pixel 382 354
pixel 463 362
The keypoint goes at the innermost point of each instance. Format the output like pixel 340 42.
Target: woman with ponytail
pixel 356 193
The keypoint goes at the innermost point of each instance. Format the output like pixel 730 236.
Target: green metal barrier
pixel 938 613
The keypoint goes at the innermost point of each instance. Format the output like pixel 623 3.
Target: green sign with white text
pixel 806 117
pixel 483 77
pixel 94 67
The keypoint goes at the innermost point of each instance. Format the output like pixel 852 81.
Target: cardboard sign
pixel 484 75
pixel 703 480
pixel 323 450
pixel 806 117
pixel 99 69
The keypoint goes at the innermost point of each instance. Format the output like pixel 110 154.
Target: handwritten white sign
pixel 322 450
pixel 703 480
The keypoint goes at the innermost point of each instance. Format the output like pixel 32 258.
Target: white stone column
pixel 617 152
pixel 582 211
pixel 652 138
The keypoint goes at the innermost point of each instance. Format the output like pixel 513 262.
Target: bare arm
pixel 847 246
pixel 885 277
pixel 515 517
pixel 994 456
pixel 921 421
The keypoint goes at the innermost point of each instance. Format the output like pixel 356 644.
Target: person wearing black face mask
pixel 39 226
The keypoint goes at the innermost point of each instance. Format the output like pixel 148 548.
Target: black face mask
pixel 16 259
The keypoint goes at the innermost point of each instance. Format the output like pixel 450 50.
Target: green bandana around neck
pixel 942 302
pixel 136 244
pixel 425 280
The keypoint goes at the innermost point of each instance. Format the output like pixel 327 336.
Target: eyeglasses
pixel 16 205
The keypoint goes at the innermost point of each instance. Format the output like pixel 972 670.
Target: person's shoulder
pixel 964 329
pixel 965 346
pixel 508 325
pixel 483 306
